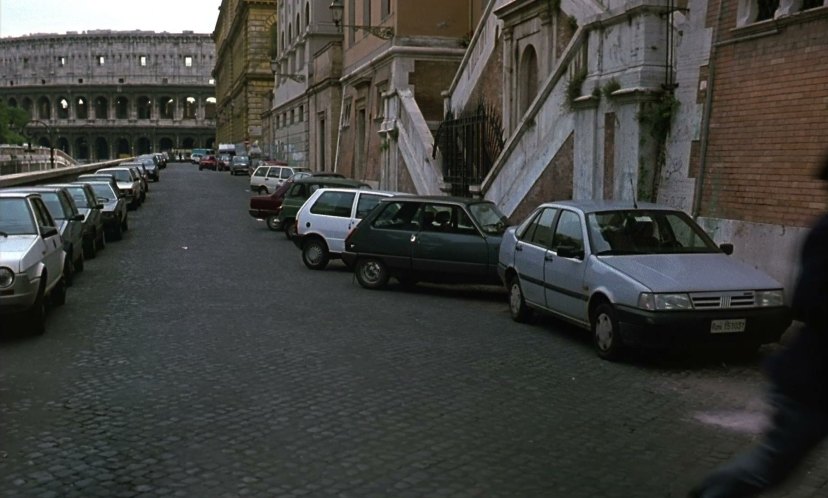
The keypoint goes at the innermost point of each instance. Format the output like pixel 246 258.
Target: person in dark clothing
pixel 799 385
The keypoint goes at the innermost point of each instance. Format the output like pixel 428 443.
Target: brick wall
pixel 553 185
pixel 769 120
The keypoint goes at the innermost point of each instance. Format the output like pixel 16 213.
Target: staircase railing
pixel 415 143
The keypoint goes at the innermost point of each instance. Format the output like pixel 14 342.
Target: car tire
pixel 102 242
pixel 606 335
pixel 58 294
pixel 118 232
pixel 290 229
pixel 79 266
pixel 517 304
pixel 273 223
pixel 36 315
pixel 371 273
pixel 69 270
pixel 262 190
pixel 90 249
pixel 315 254
pixel 125 224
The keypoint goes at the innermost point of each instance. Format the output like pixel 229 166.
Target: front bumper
pixel 20 296
pixel 669 329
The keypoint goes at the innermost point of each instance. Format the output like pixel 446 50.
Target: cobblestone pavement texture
pixel 199 357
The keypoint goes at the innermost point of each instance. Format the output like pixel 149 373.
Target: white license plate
pixel 727 326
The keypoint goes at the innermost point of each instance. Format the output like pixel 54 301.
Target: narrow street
pixel 199 357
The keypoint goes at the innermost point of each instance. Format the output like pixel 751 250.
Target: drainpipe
pixel 708 104
pixel 339 131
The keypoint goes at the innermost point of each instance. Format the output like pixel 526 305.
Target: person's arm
pixel 810 299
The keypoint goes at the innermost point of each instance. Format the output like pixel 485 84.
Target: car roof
pixel 330 180
pixel 444 198
pixel 17 194
pixel 35 188
pixel 594 206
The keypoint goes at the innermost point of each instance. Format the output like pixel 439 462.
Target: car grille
pixel 723 300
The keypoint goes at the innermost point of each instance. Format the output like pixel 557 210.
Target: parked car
pixel 432 239
pixel 141 174
pixel 93 227
pixel 644 275
pixel 114 213
pixel 163 158
pixel 31 259
pixel 128 185
pixel 327 217
pixel 69 222
pixel 299 192
pixel 208 162
pixel 240 164
pixel 152 163
pixel 266 207
pixel 224 162
pixel 267 178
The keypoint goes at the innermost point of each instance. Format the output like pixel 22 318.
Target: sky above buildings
pixel 23 17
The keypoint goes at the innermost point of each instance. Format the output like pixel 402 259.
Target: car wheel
pixel 517 304
pixel 371 273
pixel 273 223
pixel 102 241
pixel 58 295
pixel 36 315
pixel 69 270
pixel 262 190
pixel 290 229
pixel 118 232
pixel 90 249
pixel 125 224
pixel 606 335
pixel 80 264
pixel 315 254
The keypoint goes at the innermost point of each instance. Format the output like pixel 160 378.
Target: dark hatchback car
pixel 431 239
pixel 114 213
pixel 93 225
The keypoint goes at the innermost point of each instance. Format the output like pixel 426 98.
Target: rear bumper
pixel 686 328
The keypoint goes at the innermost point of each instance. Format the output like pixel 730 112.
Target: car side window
pixel 334 204
pixel 274 172
pixel 540 231
pixel 68 205
pixel 569 232
pixel 44 218
pixel 398 216
pixel 260 172
pixel 286 173
pixel 366 203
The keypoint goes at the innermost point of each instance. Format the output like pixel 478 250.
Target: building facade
pixel 101 95
pixel 244 43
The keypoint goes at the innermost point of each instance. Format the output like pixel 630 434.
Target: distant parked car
pixel 299 192
pixel 208 162
pixel 128 185
pixel 93 226
pixel 644 275
pixel 327 217
pixel 240 164
pixel 31 259
pixel 267 178
pixel 224 162
pixel 114 213
pixel 432 239
pixel 152 163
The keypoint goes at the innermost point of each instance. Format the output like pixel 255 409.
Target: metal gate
pixel 469 144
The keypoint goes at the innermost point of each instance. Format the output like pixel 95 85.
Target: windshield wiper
pixel 617 252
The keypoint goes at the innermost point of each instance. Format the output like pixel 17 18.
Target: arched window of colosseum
pixel 44 142
pixel 290 34
pixel 81 150
pixel 27 105
pixel 188 143
pixel 143 146
pixel 190 108
pixel 101 149
pixel 63 144
pixel 81 108
pixel 123 148
pixel 12 102
pixel 210 108
pixel 44 108
pixel 298 25
pixel 121 108
pixel 101 108
pixel 63 108
pixel 144 108
pixel 166 143
pixel 307 14
pixel 528 79
pixel 166 107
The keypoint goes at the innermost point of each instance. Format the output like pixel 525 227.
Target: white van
pixel 327 217
pixel 267 178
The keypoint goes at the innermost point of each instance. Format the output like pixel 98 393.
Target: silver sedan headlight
pixel 6 278
pixel 770 298
pixel 664 302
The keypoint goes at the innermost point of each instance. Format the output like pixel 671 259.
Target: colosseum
pixel 101 95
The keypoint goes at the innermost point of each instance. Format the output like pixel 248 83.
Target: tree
pixel 12 121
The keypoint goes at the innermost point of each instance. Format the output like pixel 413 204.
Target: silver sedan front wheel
pixel 605 332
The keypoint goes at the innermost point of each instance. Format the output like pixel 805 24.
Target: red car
pixel 208 162
pixel 267 207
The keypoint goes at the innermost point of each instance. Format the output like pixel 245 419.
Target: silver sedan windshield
pixel 490 219
pixel 646 232
pixel 15 218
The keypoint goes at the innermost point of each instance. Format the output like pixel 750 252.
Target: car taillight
pixel 348 237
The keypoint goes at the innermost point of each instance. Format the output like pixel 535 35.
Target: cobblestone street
pixel 199 357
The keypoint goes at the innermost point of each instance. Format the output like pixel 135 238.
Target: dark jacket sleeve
pixel 810 298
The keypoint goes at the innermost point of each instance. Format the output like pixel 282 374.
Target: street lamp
pixel 338 8
pixel 51 140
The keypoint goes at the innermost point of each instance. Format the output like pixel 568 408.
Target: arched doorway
pixel 211 143
pixel 166 108
pixel 63 108
pixel 82 108
pixel 44 142
pixel 101 108
pixel 210 108
pixel 188 143
pixel 101 149
pixel 63 144
pixel 527 79
pixel 44 108
pixel 143 146
pixel 123 147
pixel 165 144
pixel 144 108
pixel 121 108
pixel 81 149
